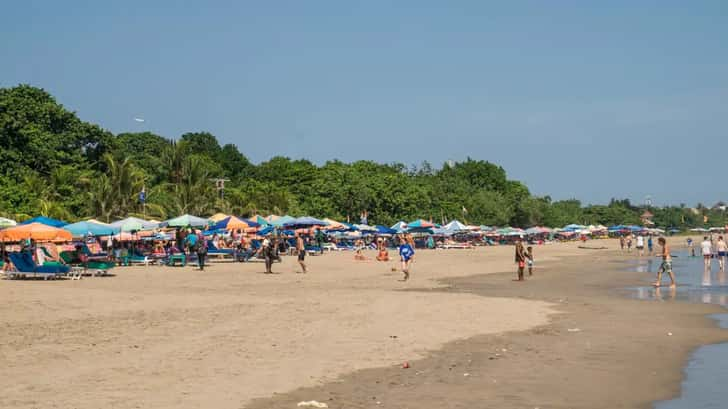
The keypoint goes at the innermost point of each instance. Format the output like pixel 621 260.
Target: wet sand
pixel 231 337
pixel 600 351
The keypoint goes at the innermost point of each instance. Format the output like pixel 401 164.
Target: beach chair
pixel 175 258
pixel 330 247
pixel 78 267
pixel 212 250
pixel 24 266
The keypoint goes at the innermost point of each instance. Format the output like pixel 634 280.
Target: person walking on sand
pixel 640 246
pixel 406 255
pixel 529 260
pixel 706 247
pixel 666 266
pixel 301 249
pixel 201 250
pixel 621 241
pixel 520 258
pixel 722 250
pixel 629 243
pixel 267 250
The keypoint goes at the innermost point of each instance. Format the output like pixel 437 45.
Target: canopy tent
pixel 45 220
pixel 35 231
pixel 217 217
pixel 134 224
pixel 83 229
pixel 4 222
pixel 231 223
pixel 184 221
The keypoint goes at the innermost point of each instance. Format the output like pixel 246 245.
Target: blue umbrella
pixel 82 229
pixel 385 230
pixel 47 221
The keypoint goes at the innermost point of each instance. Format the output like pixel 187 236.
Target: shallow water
pixel 706 375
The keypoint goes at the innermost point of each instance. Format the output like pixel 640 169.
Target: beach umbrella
pixel 4 222
pixel 35 231
pixel 231 223
pixel 281 221
pixel 400 227
pixel 45 220
pixel 217 217
pixel 384 230
pixel 185 220
pixel 365 228
pixel 334 225
pixel 82 229
pixel 305 221
pixel 260 220
pixel 134 224
pixel 420 224
pixel 455 226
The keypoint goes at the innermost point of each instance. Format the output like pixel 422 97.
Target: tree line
pixel 54 164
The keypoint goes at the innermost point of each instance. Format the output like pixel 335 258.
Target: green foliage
pixel 54 164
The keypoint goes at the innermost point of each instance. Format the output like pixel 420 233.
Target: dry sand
pixel 175 337
pixel 162 337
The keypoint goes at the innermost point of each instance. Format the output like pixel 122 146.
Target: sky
pixel 586 100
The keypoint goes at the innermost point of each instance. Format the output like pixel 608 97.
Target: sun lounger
pixel 330 247
pixel 212 250
pixel 25 266
pixel 98 267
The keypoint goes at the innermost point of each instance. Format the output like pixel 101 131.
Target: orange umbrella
pixel 217 217
pixel 35 231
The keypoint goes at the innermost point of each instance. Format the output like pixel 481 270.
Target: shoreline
pixel 580 359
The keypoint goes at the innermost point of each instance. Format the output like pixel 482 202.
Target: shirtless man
pixel 722 248
pixel 666 266
pixel 301 249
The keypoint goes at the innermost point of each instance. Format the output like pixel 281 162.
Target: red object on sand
pixel 405 365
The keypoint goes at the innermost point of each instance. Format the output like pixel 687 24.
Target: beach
pixel 232 337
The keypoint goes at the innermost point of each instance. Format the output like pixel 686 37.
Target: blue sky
pixel 576 99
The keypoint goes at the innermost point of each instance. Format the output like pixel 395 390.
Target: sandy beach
pixel 232 337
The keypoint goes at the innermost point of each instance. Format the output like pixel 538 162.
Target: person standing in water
pixel 520 258
pixel 650 245
pixel 706 247
pixel 621 241
pixel 406 255
pixel 301 249
pixel 640 246
pixel 666 266
pixel 721 248
pixel 691 248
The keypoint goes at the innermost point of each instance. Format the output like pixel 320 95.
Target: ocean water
pixel 706 376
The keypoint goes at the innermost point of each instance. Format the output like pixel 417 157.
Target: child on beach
pixel 406 254
pixel 529 259
pixel 666 266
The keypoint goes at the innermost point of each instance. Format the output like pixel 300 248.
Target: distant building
pixel 647 218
